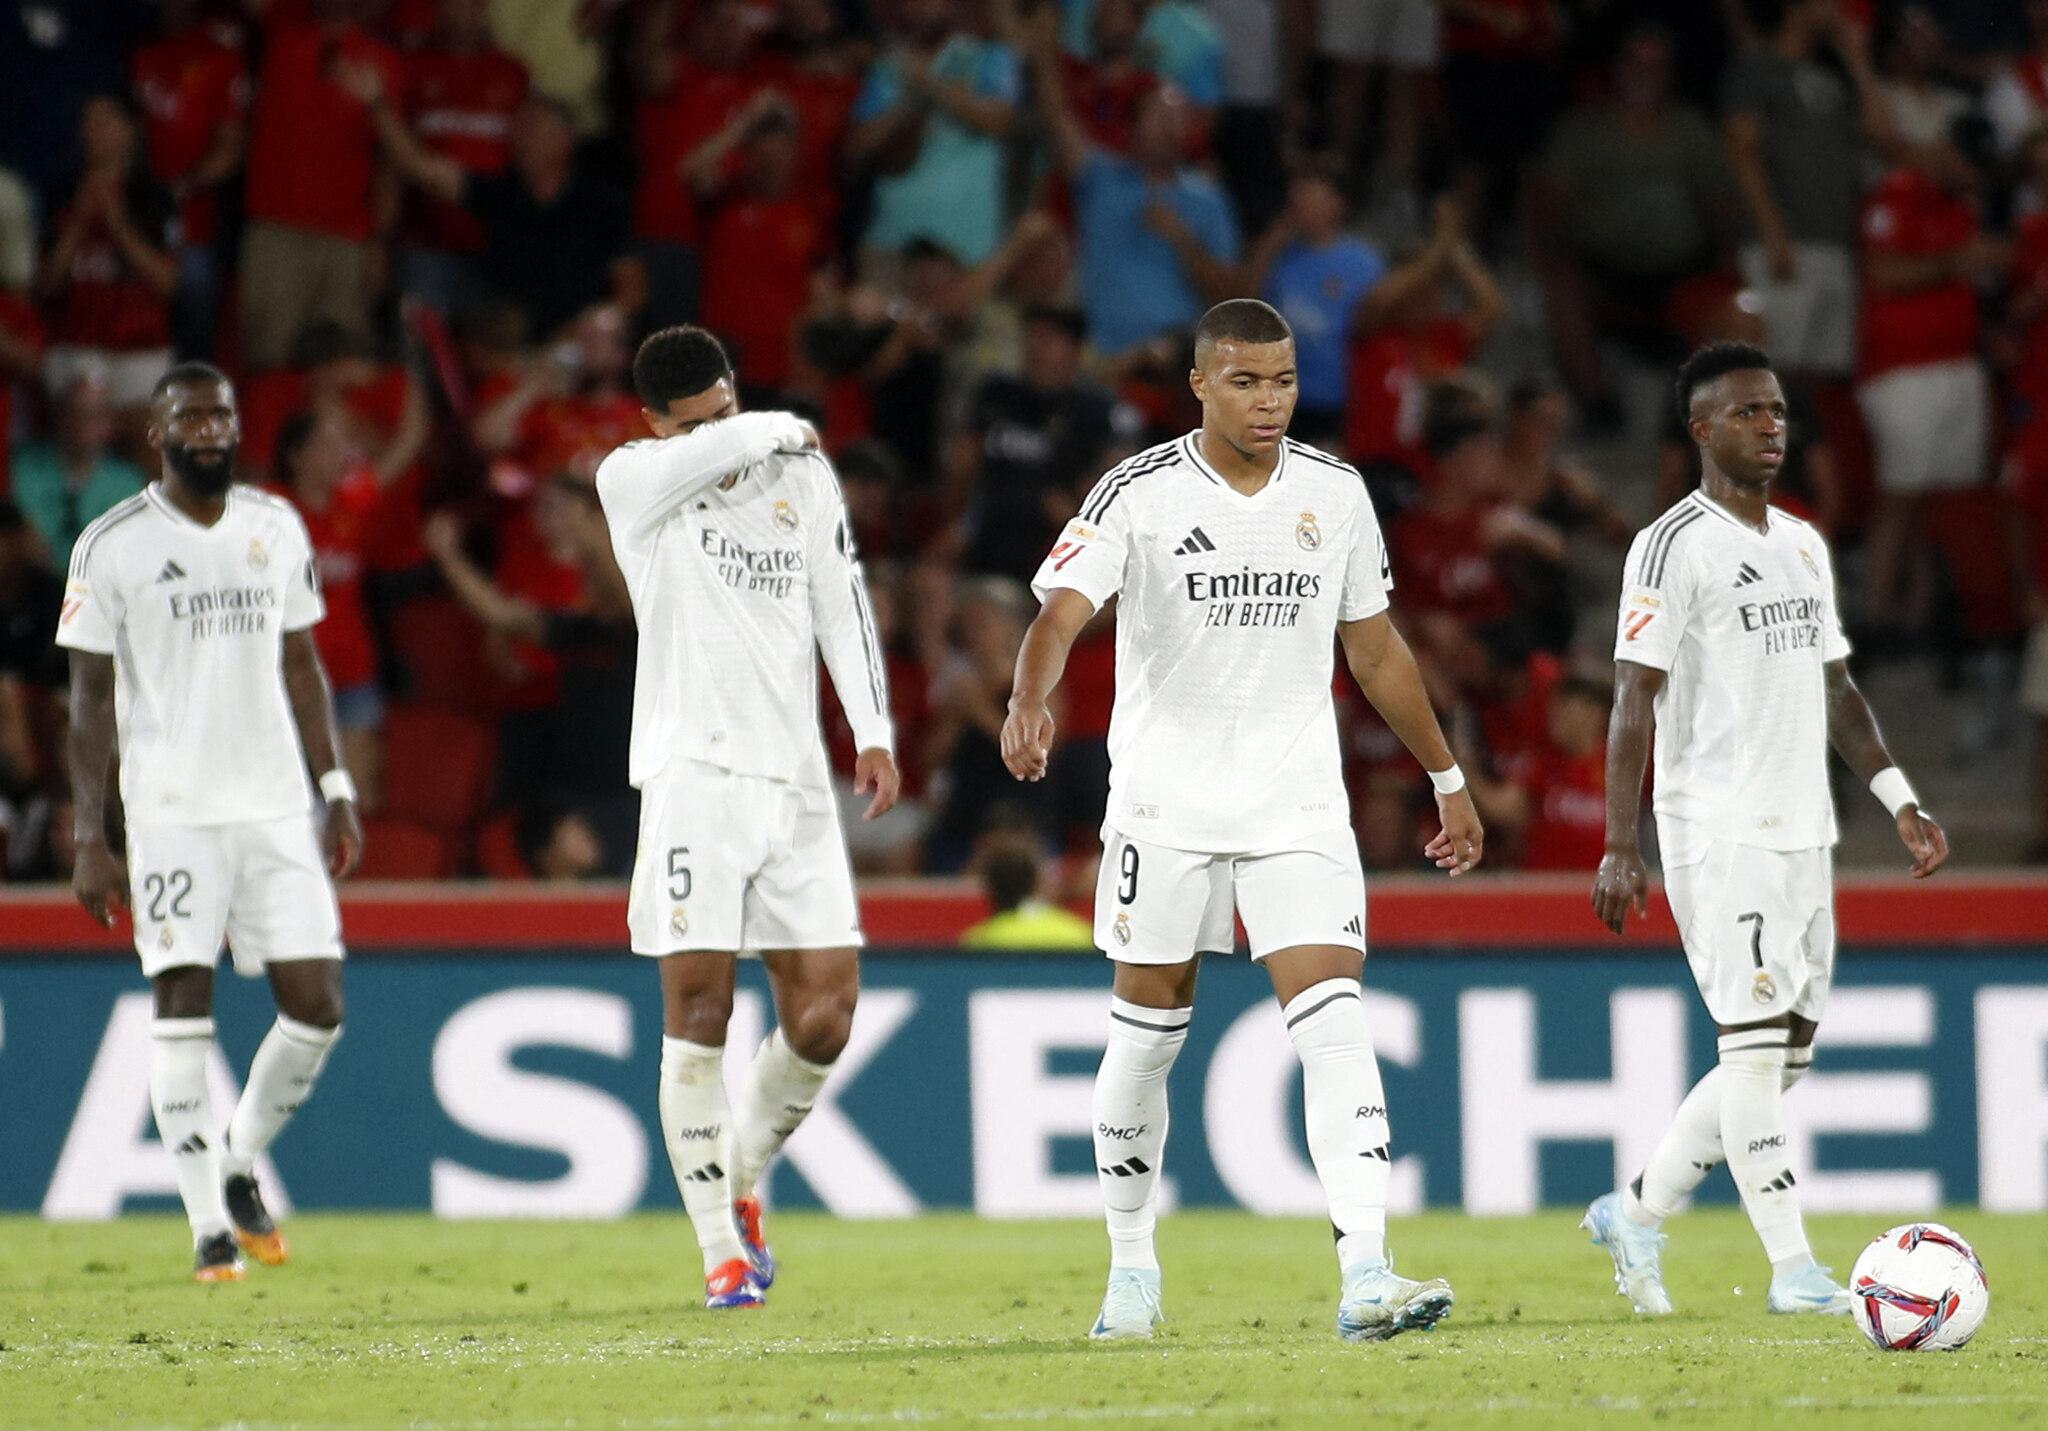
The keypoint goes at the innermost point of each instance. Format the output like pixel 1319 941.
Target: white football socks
pixel 694 1117
pixel 281 1079
pixel 1691 1147
pixel 778 1094
pixel 1754 1138
pixel 1130 1123
pixel 1346 1107
pixel 184 1118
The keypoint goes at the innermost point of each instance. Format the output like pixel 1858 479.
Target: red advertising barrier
pixel 1516 912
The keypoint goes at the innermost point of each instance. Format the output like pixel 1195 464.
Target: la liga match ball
pixel 1919 1287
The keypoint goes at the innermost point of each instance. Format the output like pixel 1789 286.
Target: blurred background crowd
pixel 969 238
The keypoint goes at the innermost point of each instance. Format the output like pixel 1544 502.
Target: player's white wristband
pixel 1893 792
pixel 336 785
pixel 1447 782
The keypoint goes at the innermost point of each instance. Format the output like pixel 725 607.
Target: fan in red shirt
pixel 1419 324
pixel 1922 388
pixel 460 95
pixel 312 187
pixel 1446 578
pixel 106 281
pixel 764 241
pixel 566 413
pixel 1105 91
pixel 193 87
pixel 1555 795
pixel 688 96
pixel 821 76
pixel 323 472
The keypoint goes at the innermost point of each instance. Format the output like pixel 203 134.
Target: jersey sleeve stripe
pixel 1660 556
pixel 106 522
pixel 1656 535
pixel 870 647
pixel 1121 476
pixel 1316 454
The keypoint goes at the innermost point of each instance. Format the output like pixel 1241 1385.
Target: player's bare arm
pixel 1853 732
pixel 1386 673
pixel 1622 884
pixel 1041 661
pixel 99 877
pixel 312 698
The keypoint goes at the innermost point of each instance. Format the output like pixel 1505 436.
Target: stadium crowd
pixel 969 238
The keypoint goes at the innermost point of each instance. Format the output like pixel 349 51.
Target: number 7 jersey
pixel 1223 737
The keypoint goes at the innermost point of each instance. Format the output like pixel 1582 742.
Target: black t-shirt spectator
pixel 1033 440
pixel 29 601
pixel 552 260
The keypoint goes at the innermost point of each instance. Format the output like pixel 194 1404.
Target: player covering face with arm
pixel 1240 559
pixel 733 538
pixel 1730 648
pixel 189 617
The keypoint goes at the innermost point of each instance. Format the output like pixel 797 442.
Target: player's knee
pixel 1755 1053
pixel 818 1030
pixel 184 993
pixel 315 1002
pixel 699 1015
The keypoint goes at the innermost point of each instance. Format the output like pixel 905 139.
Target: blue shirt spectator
pixel 1316 275
pixel 951 192
pixel 1134 284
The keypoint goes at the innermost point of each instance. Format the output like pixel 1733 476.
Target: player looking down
pixel 1731 648
pixel 1239 559
pixel 189 615
pixel 733 538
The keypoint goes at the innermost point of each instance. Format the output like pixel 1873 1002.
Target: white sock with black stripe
pixel 1691 1147
pixel 1346 1110
pixel 1130 1123
pixel 178 1094
pixel 1753 1071
pixel 694 1119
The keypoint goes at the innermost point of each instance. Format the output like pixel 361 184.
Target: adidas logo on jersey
pixel 171 572
pixel 1355 925
pixel 1747 575
pixel 1197 542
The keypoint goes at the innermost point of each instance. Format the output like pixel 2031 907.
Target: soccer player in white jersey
pixel 1731 648
pixel 189 616
pixel 733 537
pixel 1240 559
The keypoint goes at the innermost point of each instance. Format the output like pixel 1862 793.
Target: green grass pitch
pixel 402 1321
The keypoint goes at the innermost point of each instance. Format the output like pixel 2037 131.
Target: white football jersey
pixel 194 618
pixel 1223 738
pixel 737 585
pixel 1743 621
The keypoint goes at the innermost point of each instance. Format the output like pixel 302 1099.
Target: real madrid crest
pixel 258 557
pixel 1307 533
pixel 785 517
pixel 1763 988
pixel 164 939
pixel 1812 566
pixel 1121 930
pixel 678 922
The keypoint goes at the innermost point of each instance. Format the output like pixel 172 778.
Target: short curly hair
pixel 1716 360
pixel 678 362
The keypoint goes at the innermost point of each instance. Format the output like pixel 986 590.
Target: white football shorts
pixel 1759 929
pixel 262 887
pixel 1158 905
pixel 733 862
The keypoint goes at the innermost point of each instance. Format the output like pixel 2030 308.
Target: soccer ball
pixel 1919 1288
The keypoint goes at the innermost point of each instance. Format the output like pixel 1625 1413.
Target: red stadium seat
pixel 438 767
pixel 442 647
pixel 404 849
pixel 497 850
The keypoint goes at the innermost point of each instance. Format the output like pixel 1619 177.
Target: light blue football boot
pixel 1130 1308
pixel 1376 1304
pixel 1811 1288
pixel 1637 1252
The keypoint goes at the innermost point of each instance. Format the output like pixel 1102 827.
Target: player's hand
pixel 1460 844
pixel 875 769
pixel 1621 885
pixel 99 878
pixel 342 840
pixel 810 441
pixel 1926 839
pixel 1027 740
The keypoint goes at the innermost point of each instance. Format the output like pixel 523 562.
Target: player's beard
pixel 208 471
